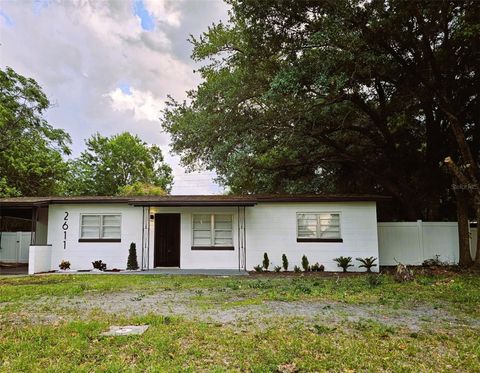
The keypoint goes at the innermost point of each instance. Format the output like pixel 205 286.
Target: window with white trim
pixel 318 226
pixel 212 230
pixel 100 226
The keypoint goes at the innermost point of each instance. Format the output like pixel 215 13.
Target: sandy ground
pixel 229 308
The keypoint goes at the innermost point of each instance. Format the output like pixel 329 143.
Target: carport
pixel 21 225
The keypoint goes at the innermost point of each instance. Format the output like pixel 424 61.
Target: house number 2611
pixel 65 228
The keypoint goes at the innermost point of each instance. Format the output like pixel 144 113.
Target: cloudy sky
pixel 108 66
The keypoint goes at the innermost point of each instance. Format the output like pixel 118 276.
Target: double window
pixel 214 231
pixel 100 227
pixel 318 227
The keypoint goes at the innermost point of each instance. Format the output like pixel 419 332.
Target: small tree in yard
pixel 305 263
pixel 132 263
pixel 344 262
pixel 266 261
pixel 284 262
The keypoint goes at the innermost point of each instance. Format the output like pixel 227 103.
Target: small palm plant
pixel 344 262
pixel 367 263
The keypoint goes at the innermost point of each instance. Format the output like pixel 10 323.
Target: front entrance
pixel 167 240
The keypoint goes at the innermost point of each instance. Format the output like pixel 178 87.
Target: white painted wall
pixel 40 259
pixel 413 242
pixel 198 259
pixel 271 228
pixel 81 254
pixel 14 247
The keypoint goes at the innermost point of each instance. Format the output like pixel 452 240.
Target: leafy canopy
pixel 121 164
pixel 345 96
pixel 31 150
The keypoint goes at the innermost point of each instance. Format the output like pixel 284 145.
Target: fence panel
pixel 14 247
pixel 413 242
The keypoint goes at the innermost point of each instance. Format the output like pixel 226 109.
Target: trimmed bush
pixel 132 263
pixel 284 262
pixel 266 262
pixel 64 265
pixel 305 265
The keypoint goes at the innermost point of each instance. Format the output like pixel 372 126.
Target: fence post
pixel 420 238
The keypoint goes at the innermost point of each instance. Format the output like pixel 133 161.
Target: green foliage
pixel 434 262
pixel 266 262
pixel 367 263
pixel 98 264
pixel 31 150
pixel 374 280
pixel 317 267
pixel 284 262
pixel 344 262
pixel 258 268
pixel 296 269
pixel 64 264
pixel 121 164
pixel 141 189
pixel 132 263
pixel 305 265
pixel 306 97
pixel 277 269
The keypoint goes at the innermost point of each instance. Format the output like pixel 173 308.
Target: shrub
pixel 296 269
pixel 403 274
pixel 305 265
pixel 266 261
pixel 374 280
pixel 284 262
pixel 344 262
pixel 277 268
pixel 367 263
pixel 64 264
pixel 258 268
pixel 132 263
pixel 317 267
pixel 98 264
pixel 434 262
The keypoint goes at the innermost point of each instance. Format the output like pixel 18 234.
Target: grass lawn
pixel 257 323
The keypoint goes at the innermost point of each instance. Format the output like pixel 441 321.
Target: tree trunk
pixel 465 259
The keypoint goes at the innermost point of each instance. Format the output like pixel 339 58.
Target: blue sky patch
pixel 8 21
pixel 125 88
pixel 146 18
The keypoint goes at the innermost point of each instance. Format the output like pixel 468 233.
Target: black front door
pixel 167 240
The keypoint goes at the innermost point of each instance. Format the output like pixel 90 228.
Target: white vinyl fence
pixel 14 247
pixel 413 242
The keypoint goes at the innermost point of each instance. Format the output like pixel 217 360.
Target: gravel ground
pixel 230 310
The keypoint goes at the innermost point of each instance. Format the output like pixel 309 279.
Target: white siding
pixel 81 254
pixel 198 259
pixel 271 228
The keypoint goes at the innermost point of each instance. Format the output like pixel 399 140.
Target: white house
pixel 197 232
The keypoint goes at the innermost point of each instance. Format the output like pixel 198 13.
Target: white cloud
pixel 143 105
pixel 165 11
pixel 80 51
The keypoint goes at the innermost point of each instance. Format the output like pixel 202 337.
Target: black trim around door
pixel 167 240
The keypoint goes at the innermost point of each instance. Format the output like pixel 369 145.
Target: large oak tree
pixel 347 95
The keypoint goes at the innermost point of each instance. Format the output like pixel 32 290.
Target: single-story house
pixel 198 231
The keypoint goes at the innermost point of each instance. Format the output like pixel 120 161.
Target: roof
pixel 190 200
